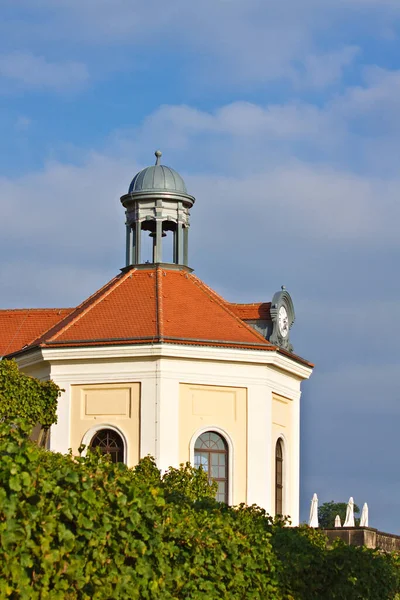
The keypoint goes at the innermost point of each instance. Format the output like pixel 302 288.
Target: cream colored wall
pixel 205 407
pixel 72 373
pixel 283 426
pixel 102 405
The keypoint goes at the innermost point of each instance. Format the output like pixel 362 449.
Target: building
pixel 156 362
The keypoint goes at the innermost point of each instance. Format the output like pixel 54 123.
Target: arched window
pixel 279 478
pixel 211 452
pixel 109 442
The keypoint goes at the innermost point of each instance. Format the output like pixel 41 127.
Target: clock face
pixel 283 322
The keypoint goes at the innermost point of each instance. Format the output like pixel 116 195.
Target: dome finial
pixel 158 155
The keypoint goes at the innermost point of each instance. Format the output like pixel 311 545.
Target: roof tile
pixel 20 327
pixel 252 312
pixel 150 305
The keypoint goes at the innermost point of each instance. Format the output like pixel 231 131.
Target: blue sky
pixel 284 119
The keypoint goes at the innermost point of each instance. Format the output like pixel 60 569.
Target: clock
pixel 282 319
pixel 283 322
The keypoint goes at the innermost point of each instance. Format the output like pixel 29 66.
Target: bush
pixel 85 528
pixel 310 570
pixel 27 398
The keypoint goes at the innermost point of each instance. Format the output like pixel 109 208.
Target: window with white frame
pixel 109 442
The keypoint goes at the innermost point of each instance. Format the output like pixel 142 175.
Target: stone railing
pixel 365 536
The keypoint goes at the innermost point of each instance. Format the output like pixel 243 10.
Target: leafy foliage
pixel 80 528
pixel 310 570
pixel 87 528
pixel 188 483
pixel 328 511
pixel 25 397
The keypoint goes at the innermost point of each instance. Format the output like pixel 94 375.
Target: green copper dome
pixel 158 178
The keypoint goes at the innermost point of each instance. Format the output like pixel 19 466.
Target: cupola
pixel 157 202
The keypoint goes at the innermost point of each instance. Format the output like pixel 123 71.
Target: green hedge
pixel 88 529
pixel 28 398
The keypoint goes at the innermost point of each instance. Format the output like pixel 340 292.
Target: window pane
pixel 210 440
pixel 279 453
pixel 215 472
pixel 217 441
pixel 214 459
pixel 201 458
pixel 201 440
pixel 221 495
pixel 278 478
pixel 278 501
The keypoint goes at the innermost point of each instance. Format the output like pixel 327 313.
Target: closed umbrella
pixel 349 522
pixel 364 516
pixel 313 520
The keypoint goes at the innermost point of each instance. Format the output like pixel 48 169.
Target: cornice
pixel 30 358
pixel 172 351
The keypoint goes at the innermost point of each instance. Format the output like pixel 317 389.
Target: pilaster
pixel 149 417
pixel 60 432
pixel 295 462
pixel 259 415
pixel 168 419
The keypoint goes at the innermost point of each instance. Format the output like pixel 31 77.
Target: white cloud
pixel 305 201
pixel 29 283
pixel 65 206
pixel 29 71
pixel 356 130
pixel 240 119
pixel 237 43
pixel 380 93
pixel 322 70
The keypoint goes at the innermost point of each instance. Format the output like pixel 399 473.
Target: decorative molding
pixel 191 377
pixel 155 351
pixel 29 359
pixel 86 378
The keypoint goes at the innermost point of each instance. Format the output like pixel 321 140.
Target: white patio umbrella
pixel 313 520
pixel 338 522
pixel 364 516
pixel 349 522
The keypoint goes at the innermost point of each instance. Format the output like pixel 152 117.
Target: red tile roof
pixel 142 305
pixel 20 327
pixel 252 312
pixel 150 305
pixel 147 305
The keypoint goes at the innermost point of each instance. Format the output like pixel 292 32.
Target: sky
pixel 284 120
